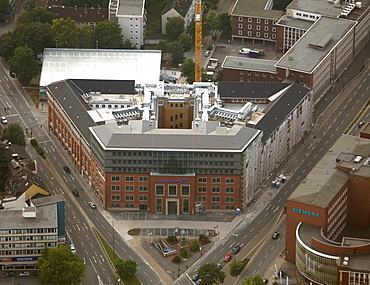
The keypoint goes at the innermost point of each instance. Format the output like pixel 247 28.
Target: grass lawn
pixel 113 257
pixel 154 9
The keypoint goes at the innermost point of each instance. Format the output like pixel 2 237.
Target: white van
pixel 244 50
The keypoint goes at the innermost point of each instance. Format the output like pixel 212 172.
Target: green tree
pixel 176 259
pixel 29 4
pixel 128 45
pixel 255 280
pixel 184 252
pixel 59 266
pixel 210 23
pixel 186 41
pixel 236 267
pixel 4 8
pixel 7 45
pixel 66 33
pixel 172 239
pixel 194 246
pixel 39 14
pixel 107 34
pixel 177 51
pixel 174 28
pixel 14 133
pixel 126 268
pixel 35 35
pixel 224 23
pixel 210 274
pixel 204 239
pixel 187 70
pixel 23 65
pixel 162 45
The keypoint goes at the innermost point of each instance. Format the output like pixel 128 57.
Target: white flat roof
pixel 143 66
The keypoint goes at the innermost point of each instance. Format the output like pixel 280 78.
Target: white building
pixel 131 16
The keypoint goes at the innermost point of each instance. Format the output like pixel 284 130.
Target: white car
pixel 92 205
pixel 24 274
pixel 73 249
pixel 4 120
pixel 207 53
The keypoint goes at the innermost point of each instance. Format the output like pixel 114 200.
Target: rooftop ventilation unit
pixel 358 158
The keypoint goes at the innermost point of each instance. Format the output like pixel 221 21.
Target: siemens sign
pixel 306 212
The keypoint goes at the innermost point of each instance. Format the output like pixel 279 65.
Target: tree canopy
pixel 39 14
pixel 4 8
pixel 14 133
pixel 23 65
pixel 66 33
pixel 187 70
pixel 126 268
pixel 59 266
pixel 255 280
pixel 107 34
pixel 174 28
pixel 210 274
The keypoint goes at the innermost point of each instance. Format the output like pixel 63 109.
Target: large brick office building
pixel 328 217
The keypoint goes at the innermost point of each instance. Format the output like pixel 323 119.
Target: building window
pixel 202 180
pixel 249 34
pixel 250 20
pixel 258 21
pixel 143 178
pixel 158 205
pixel 230 180
pixel 258 28
pixel 172 190
pixel 202 199
pixel 116 197
pixel 229 199
pixel 240 19
pixel 143 188
pixel 273 36
pixel 240 26
pixel 256 73
pixel 116 188
pixel 185 208
pixel 266 35
pixel 274 29
pixel 129 188
pixel 159 190
pixel 181 113
pixel 216 180
pixel 129 179
pixel 143 198
pixel 258 34
pixel 216 199
pixel 202 189
pixel 266 28
pixel 249 27
pixel 230 190
pixel 185 190
pixel 266 22
pixel 115 178
pixel 240 32
pixel 129 197
pixel 143 207
pixel 216 189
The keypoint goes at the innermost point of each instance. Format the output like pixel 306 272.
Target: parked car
pixel 207 53
pixel 66 169
pixel 92 205
pixel 195 276
pixel 265 280
pixel 75 192
pixel 24 274
pixel 219 265
pixel 360 124
pixel 73 249
pixel 236 249
pixel 275 235
pixel 227 258
pixel 11 274
pixel 4 120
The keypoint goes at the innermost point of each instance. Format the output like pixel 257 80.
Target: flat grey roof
pixel 238 62
pixel 302 57
pixel 254 8
pixel 320 7
pixel 220 139
pixel 324 181
pixel 130 7
pixel 46 217
pixel 295 23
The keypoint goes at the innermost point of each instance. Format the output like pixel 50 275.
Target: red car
pixel 227 258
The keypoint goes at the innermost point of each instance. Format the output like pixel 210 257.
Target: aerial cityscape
pixel 185 142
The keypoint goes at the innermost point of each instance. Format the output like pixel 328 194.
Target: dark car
pixel 236 249
pixel 265 280
pixel 11 274
pixel 195 277
pixel 66 169
pixel 275 235
pixel 360 124
pixel 75 192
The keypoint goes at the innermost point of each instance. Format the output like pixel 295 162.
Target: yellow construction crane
pixel 198 41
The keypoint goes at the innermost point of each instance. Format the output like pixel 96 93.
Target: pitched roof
pixel 181 6
pixel 80 14
pixel 233 89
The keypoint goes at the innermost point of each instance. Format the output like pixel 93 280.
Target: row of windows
pixel 25 245
pixel 176 117
pixel 216 180
pixel 129 178
pixel 21 252
pixel 196 170
pixel 144 207
pixel 258 34
pixel 129 153
pixel 216 199
pixel 184 190
pixel 250 20
pixel 25 238
pixel 307 16
pixel 203 189
pixel 27 231
pixel 176 105
pixel 98 106
pixel 258 28
pixel 150 162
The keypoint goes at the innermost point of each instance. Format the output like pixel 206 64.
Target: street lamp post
pixel 114 253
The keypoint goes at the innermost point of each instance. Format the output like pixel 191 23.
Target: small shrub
pixel 236 267
pixel 209 47
pixel 34 142
pixel 176 259
pixel 194 246
pixel 184 252
pixel 203 239
pixel 172 239
pixel 40 151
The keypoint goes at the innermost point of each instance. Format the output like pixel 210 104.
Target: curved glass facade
pixel 315 266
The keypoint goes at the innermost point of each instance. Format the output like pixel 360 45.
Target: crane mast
pixel 198 41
